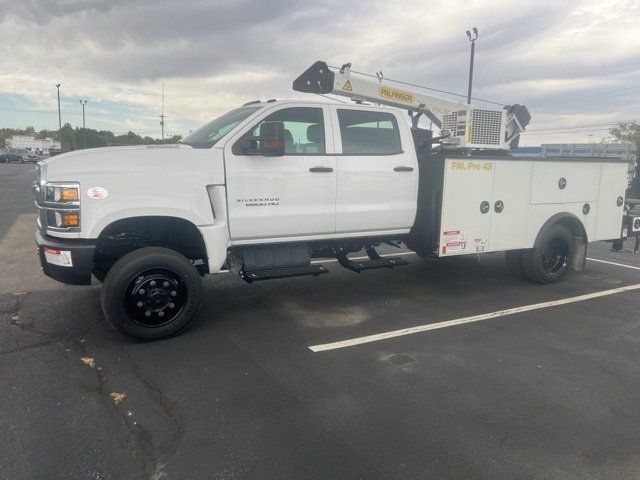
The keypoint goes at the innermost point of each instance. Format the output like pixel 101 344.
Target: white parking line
pixel 476 318
pixel 613 263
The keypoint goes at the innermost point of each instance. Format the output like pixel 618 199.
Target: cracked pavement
pixel 546 394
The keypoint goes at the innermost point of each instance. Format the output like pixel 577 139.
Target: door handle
pixel 321 169
pixel 402 168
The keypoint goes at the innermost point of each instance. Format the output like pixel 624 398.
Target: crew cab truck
pixel 268 186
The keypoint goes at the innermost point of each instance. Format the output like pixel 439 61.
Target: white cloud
pixel 215 55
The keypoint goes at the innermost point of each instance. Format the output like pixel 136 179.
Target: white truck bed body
pixel 530 192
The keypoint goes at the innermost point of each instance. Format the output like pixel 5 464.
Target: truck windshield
pixel 209 134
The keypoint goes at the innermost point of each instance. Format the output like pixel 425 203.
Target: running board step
pixel 381 262
pixel 282 272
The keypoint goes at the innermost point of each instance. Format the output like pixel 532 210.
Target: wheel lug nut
pixel 172 305
pixel 147 313
pixel 142 291
pixel 140 304
pixel 165 284
pixel 161 314
pixel 152 283
pixel 173 293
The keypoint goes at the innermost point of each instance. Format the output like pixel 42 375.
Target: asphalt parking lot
pixel 550 392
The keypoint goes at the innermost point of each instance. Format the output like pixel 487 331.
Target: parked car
pixel 3 157
pixel 21 156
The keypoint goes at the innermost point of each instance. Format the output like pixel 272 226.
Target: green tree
pixel 73 138
pixel 628 132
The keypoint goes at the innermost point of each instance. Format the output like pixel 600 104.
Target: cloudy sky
pixel 576 64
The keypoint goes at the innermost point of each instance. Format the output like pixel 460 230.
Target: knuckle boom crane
pixel 462 125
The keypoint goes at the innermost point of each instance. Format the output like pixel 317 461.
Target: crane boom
pixel 467 126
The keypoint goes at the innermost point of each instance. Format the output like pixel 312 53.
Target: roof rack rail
pixel 251 102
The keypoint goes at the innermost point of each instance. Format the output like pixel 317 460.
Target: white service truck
pixel 268 186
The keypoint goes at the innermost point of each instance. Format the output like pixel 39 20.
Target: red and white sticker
pixel 453 236
pixel 454 247
pixel 61 258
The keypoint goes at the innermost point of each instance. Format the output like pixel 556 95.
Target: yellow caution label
pixel 397 95
pixel 347 86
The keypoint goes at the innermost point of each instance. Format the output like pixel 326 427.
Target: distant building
pixel 36 145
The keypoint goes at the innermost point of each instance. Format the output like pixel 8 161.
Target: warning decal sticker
pixel 453 236
pixel 347 86
pixel 453 241
pixel 61 258
pixel 454 247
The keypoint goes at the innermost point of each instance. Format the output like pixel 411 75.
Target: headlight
pixel 67 219
pixel 62 193
pixel 59 204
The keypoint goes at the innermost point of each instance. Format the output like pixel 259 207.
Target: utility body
pixel 270 185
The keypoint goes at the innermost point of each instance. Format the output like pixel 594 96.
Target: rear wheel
pixel 549 262
pixel 151 293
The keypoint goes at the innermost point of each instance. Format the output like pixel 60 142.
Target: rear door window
pixel 368 133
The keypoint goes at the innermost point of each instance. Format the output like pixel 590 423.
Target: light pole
pixel 59 116
pixel 84 127
pixel 473 50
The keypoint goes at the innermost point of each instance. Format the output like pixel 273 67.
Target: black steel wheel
pixel 555 255
pixel 550 261
pixel 151 293
pixel 155 297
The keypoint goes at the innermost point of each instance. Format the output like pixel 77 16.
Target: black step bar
pixel 282 272
pixel 375 261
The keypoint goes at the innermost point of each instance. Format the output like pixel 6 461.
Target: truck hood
pixel 146 161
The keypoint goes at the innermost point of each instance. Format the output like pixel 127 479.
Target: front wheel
pixel 151 293
pixel 549 262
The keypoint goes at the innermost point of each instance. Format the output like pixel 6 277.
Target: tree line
pixel 73 138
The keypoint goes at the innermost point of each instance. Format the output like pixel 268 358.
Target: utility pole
pixel 84 126
pixel 473 51
pixel 162 115
pixel 59 116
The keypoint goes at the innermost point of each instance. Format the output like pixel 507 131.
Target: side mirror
pixel 272 139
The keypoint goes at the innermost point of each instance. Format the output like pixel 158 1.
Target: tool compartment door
pixel 509 209
pixel 565 182
pixel 466 206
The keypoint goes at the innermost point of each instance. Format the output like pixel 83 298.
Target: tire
pixel 549 262
pixel 151 293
